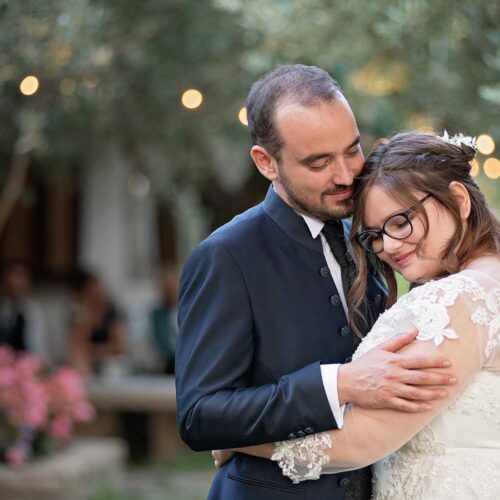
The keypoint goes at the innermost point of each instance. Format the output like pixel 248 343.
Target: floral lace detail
pixel 436 464
pixel 425 469
pixel 433 464
pixel 480 400
pixel 303 458
pixel 426 309
pixel 413 466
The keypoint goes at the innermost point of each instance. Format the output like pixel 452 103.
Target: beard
pixel 320 209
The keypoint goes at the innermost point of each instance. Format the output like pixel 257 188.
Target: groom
pixel 264 349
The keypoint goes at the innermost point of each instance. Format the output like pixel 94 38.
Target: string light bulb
pixel 192 99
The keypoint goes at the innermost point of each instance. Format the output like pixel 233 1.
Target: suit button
pixel 345 331
pixel 348 359
pixel 324 272
pixel 344 482
pixel 291 436
pixel 309 430
pixel 300 434
pixel 335 300
pixel 377 299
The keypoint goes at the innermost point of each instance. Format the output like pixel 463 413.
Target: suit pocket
pixel 294 490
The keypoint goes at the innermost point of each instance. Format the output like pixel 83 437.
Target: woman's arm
pixel 369 435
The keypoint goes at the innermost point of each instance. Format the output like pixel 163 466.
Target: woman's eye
pixel 403 223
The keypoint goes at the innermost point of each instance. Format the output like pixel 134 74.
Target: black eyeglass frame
pixel 376 233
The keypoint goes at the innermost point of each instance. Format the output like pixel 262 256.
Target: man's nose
pixel 342 174
pixel 391 244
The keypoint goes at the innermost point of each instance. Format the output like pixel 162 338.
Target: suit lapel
pixel 289 221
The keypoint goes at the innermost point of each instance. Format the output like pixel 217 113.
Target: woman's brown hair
pixel 403 166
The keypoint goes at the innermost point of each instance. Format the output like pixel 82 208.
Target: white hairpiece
pixel 459 140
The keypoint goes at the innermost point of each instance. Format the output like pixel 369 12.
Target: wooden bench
pixel 151 396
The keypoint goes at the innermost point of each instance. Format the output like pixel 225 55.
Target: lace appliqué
pixel 480 400
pixel 426 469
pixel 407 473
pixel 303 458
pixel 426 309
pixel 432 465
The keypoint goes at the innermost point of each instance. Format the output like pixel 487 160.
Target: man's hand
pixel 221 457
pixel 382 378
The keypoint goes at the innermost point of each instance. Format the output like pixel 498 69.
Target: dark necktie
pixel 334 234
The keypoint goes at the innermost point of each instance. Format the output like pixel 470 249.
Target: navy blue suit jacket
pixel 258 314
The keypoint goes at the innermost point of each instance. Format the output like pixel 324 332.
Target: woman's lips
pixel 403 258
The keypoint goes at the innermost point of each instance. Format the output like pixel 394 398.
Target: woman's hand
pixel 221 457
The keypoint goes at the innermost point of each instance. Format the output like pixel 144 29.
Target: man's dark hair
pixel 296 84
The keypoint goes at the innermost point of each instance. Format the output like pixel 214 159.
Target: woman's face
pixel 402 255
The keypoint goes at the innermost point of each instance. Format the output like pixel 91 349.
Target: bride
pixel 419 212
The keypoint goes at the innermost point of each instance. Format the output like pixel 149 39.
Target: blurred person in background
pixel 97 330
pixel 164 317
pixel 21 322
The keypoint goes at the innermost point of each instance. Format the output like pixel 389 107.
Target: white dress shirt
pixel 329 372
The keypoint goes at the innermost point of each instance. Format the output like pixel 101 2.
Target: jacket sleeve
pixel 216 405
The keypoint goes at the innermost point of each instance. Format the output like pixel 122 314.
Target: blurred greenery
pixel 111 72
pixel 187 477
pixel 189 461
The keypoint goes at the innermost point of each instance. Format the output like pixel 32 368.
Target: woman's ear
pixel 265 163
pixel 462 197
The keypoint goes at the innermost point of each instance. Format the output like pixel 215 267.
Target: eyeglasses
pixel 397 226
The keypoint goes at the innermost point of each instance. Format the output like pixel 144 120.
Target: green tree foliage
pixel 112 71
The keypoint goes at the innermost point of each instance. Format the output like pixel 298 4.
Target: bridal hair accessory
pixel 459 140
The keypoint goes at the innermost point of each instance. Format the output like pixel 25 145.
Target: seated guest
pixel 97 331
pixel 21 323
pixel 164 318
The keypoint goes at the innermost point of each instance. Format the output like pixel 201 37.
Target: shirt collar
pixel 315 225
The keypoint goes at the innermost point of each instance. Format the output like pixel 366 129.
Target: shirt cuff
pixel 329 377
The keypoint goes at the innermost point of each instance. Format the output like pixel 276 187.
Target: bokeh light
pixel 29 85
pixel 192 99
pixel 492 168
pixel 485 144
pixel 474 168
pixel 242 116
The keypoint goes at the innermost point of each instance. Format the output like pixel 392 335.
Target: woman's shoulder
pixel 427 307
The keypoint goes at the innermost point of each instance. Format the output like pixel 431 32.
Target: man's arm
pixel 385 378
pixel 215 356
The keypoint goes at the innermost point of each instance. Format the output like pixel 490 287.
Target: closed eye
pixel 402 224
pixel 353 152
pixel 319 164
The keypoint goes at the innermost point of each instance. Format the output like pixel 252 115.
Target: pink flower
pixel 7 357
pixel 61 428
pixel 15 456
pixel 33 401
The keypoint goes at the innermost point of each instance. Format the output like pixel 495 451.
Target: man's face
pixel 320 157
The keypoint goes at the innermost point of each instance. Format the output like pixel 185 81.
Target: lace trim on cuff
pixel 303 458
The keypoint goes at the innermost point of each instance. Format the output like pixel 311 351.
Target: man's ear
pixel 264 162
pixel 462 197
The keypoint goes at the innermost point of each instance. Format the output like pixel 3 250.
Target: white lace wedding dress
pixel 452 451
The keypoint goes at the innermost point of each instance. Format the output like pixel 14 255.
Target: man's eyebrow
pixel 353 143
pixel 319 156
pixel 315 156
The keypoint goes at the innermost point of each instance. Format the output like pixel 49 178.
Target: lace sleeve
pixel 303 458
pixel 457 318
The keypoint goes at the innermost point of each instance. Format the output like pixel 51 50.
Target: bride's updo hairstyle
pixel 408 163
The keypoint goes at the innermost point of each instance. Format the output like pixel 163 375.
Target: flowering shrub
pixel 35 403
